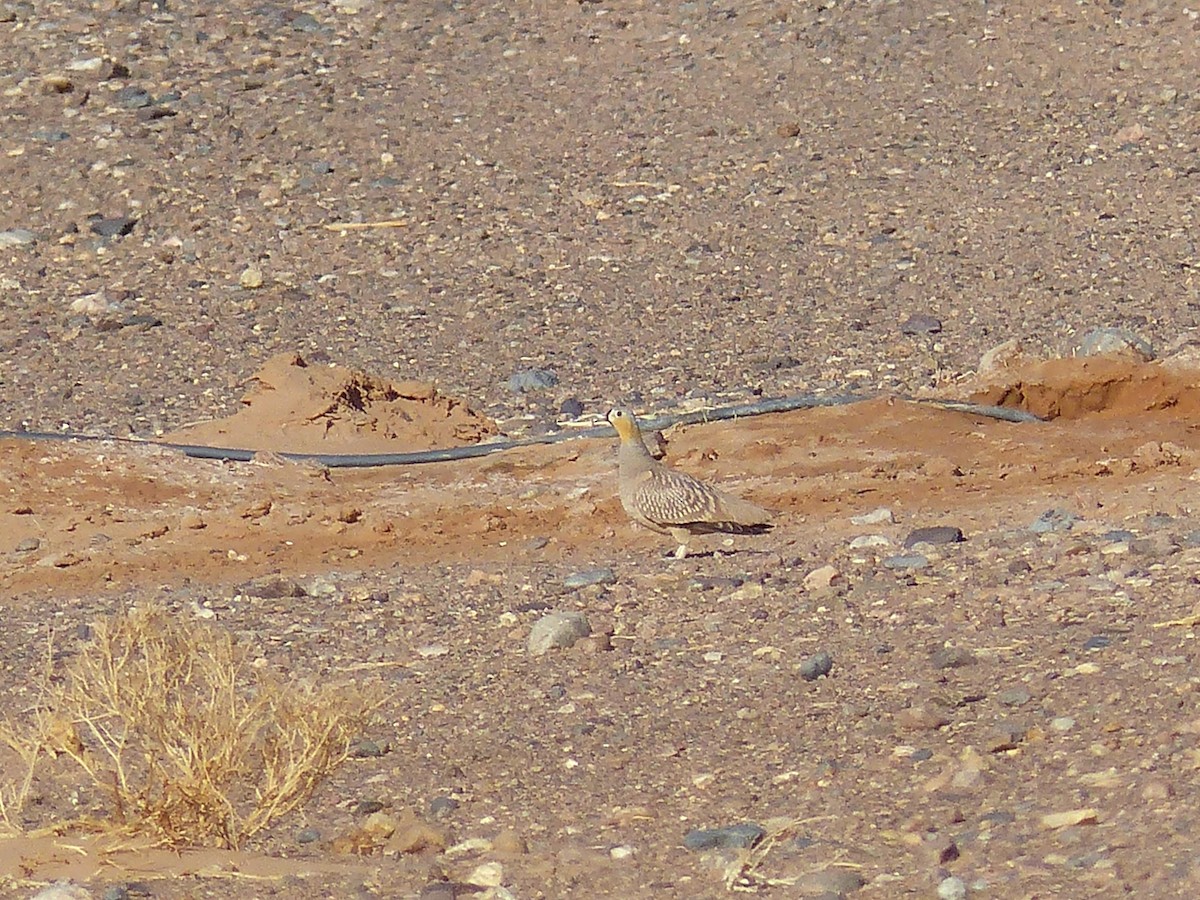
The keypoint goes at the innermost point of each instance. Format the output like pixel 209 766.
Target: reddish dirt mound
pixel 1073 388
pixel 303 408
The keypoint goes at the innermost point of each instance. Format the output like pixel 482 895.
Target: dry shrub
pixel 190 743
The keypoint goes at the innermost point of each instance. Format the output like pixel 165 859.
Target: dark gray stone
pixel 531 380
pixel 731 837
pixel 589 577
pixel 936 534
pixel 441 807
pixel 952 657
pixel 816 666
pixel 920 323
pixel 572 407
pixel 307 836
pixel 117 226
pixel 1097 642
pixel 133 97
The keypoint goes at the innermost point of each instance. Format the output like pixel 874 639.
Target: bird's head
pixel 624 422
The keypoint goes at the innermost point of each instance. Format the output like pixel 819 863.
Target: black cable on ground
pixel 473 451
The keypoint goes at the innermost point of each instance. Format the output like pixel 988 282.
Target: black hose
pixel 472 451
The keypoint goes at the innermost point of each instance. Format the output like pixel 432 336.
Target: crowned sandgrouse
pixel 672 502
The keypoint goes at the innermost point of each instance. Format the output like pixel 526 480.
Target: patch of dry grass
pixel 188 742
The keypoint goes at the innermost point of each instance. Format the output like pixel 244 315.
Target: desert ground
pixel 962 664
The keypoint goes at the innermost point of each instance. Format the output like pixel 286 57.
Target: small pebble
pixel 822 579
pixel 869 540
pixel 115 226
pixel 1018 696
pixel 1062 723
pixel 1057 519
pixel 816 666
pixel 1097 642
pixel 952 888
pixel 441 807
pixel 305 22
pixel 880 516
pixel 908 561
pixel 27 545
pixel 832 883
pixel 308 836
pixel 17 237
pixel 920 323
pixel 571 407
pixel 133 97
pixel 557 630
pixel 951 657
pixel 733 837
pixel 936 534
pixel 531 380
pixel 589 577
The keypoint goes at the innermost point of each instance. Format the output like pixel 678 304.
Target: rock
pixel 272 587
pixel 921 718
pixel 571 407
pixel 510 843
pixel 1062 724
pixel 864 541
pixel 907 561
pixel 1057 519
pixel 920 323
pixel 832 882
pixel 442 807
pixel 732 837
pixel 589 577
pixel 1001 358
pixel 1115 342
pixel 28 545
pixel 51 135
pixel 951 657
pixel 879 516
pixel 936 534
pixel 368 749
pixel 1005 736
pixel 560 629
pixel 17 237
pixel 816 666
pixel 531 380
pixel 952 888
pixel 115 226
pixel 1017 696
pixel 305 22
pixel 1097 642
pixel 451 890
pixel 62 890
pixel 133 97
pixel 822 579
pixel 251 278
pixel 307 836
pixel 1071 817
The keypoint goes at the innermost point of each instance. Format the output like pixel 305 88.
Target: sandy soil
pixel 671 205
